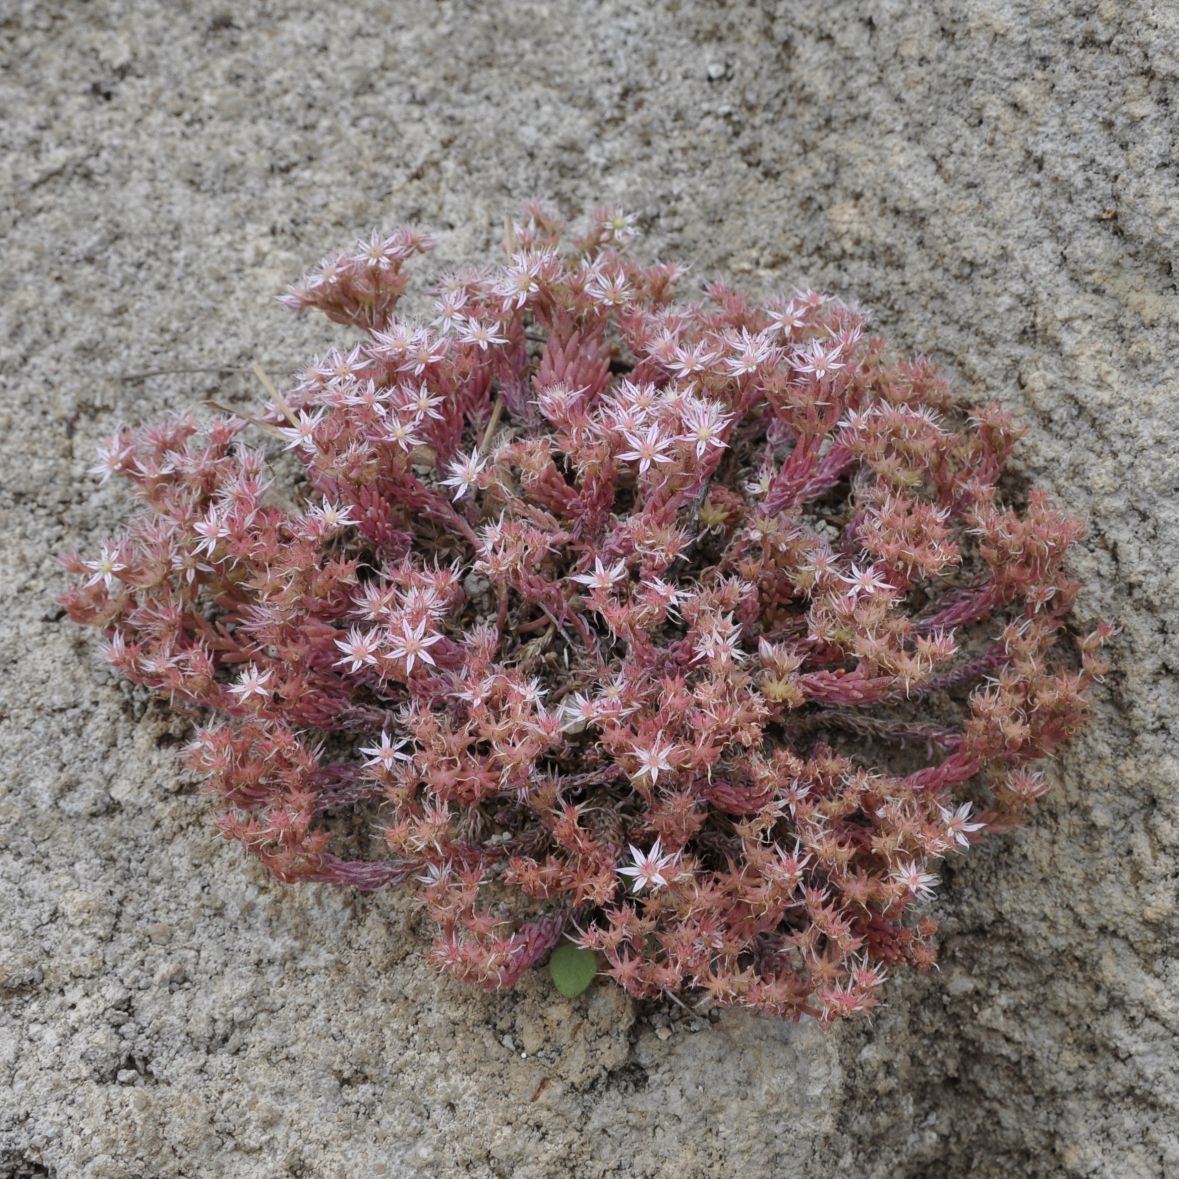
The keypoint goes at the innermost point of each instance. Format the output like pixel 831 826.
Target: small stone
pixel 474 585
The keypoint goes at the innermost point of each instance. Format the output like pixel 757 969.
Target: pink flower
pixel 654 759
pixel 464 473
pixel 450 307
pixel 788 317
pixel 818 360
pixel 864 581
pixel 332 516
pixel 601 578
pixel 718 644
pixel 609 290
pixel 958 825
pixel 111 459
pixel 212 529
pixel 422 352
pixel 360 648
pixel 619 226
pixel 302 433
pixel 412 643
pixel 648 867
pixel 253 682
pixel 482 335
pixel 688 362
pixel 519 281
pixel 424 404
pixel 704 424
pixel 341 368
pixel 106 567
pixel 576 713
pixel 386 754
pixel 918 883
pixel 749 353
pixel 401 433
pixel 188 565
pixel 647 448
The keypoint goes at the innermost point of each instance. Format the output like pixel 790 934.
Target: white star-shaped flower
pixel 601 578
pixel 253 682
pixel 648 867
pixel 386 754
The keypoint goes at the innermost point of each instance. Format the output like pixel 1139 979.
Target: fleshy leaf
pixel 573 969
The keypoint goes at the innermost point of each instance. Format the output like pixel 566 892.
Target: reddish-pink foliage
pixel 698 629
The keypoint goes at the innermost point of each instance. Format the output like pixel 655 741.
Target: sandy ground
pixel 996 181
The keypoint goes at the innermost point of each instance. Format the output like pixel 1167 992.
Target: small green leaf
pixel 573 969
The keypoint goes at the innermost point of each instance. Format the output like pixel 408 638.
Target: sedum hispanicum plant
pixel 691 630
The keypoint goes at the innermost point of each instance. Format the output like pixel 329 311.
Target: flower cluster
pixel 697 631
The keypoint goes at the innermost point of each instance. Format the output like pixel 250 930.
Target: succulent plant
pixel 695 631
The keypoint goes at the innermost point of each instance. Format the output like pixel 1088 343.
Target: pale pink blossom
pixel 302 432
pixel 360 648
pixel 662 595
pixel 424 404
pixel 482 335
pixel 107 567
pixel 332 516
pixel 374 253
pixel 654 759
pixel 188 565
pixel 112 459
pixel 412 643
pixel 576 712
pixel 865 581
pixel 704 425
pixel 619 226
pixel 918 883
pixel 386 754
pixel 787 317
pixel 423 351
pixel 648 868
pixel 519 281
pixel 609 290
pixel 401 433
pixel 958 825
pixel 718 643
pixel 688 362
pixel 212 529
pixel 464 473
pixel 253 682
pixel 600 578
pixel 341 368
pixel 650 447
pixel 450 307
pixel 749 353
pixel 818 360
